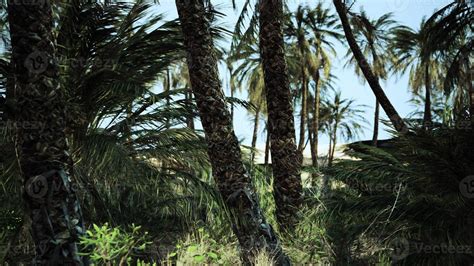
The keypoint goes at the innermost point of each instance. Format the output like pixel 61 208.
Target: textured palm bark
pixel 315 126
pixel 387 106
pixel 249 224
pixel 41 142
pixel 286 160
pixel 375 137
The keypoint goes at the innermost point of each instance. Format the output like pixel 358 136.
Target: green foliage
pixel 309 243
pixel 137 162
pixel 200 248
pixel 105 245
pixel 407 192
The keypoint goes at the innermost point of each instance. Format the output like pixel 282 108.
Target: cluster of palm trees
pixel 88 72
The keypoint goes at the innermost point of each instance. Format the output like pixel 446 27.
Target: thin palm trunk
pixel 376 123
pixel 333 150
pixel 387 106
pixel 303 112
pixel 45 163
pixel 334 142
pixel 315 126
pixel 311 144
pixel 255 134
pixel 267 148
pixel 330 149
pixel 427 113
pixel 224 151
pixel 375 135
pixel 232 105
pixel 286 160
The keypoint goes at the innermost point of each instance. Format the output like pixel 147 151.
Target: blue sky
pixel 406 12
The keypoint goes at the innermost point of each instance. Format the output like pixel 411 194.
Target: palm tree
pixel 449 36
pixel 413 52
pixel 325 29
pixel 250 73
pixel 393 115
pixel 343 118
pixel 286 160
pixel 45 163
pixel 373 39
pixel 112 67
pixel 297 30
pixel 223 148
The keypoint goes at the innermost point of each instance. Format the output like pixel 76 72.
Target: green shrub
pixel 201 248
pixel 105 245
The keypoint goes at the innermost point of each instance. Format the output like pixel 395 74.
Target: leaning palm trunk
pixel 254 233
pixel 286 160
pixel 44 160
pixel 376 123
pixel 387 106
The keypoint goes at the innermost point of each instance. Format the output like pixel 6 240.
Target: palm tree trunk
pixel 267 148
pixel 303 112
pixel 255 134
pixel 315 125
pixel 330 148
pixel 224 152
pixel 427 113
pixel 286 160
pixel 311 144
pixel 45 163
pixel 232 105
pixel 387 106
pixel 334 142
pixel 376 123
